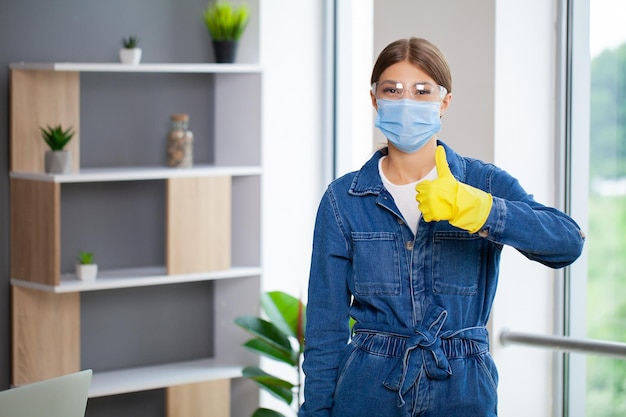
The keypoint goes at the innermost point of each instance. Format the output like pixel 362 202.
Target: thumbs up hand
pixel 445 198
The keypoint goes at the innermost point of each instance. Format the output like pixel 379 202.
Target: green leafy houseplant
pixel 84 257
pixel 224 21
pixel 56 137
pixel 280 338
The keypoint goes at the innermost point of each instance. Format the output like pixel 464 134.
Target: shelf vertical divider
pixel 198 212
pixel 46 335
pixel 209 398
pixel 39 99
pixel 35 231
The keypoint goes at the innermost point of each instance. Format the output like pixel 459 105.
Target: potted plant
pixel 280 338
pixel 57 160
pixel 86 269
pixel 130 53
pixel 226 23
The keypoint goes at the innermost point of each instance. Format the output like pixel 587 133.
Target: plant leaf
pixel 265 330
pixel 286 312
pixel 288 356
pixel 279 388
pixel 55 137
pixel 258 374
pixel 225 21
pixel 264 412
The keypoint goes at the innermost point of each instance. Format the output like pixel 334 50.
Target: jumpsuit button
pixel 409 245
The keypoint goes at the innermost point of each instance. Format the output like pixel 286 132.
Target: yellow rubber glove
pixel 445 198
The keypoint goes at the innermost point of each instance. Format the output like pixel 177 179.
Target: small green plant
pixel 85 258
pixel 130 42
pixel 56 137
pixel 280 338
pixel 226 22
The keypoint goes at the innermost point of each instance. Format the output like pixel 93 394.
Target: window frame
pixel 575 74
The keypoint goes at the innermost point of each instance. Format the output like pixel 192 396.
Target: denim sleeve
pixel 328 306
pixel 543 234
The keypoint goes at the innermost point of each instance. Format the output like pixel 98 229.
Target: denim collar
pixel 367 180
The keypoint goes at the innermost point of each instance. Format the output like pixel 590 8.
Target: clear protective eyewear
pixel 420 91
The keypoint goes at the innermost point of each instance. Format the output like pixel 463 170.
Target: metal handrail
pixel 566 344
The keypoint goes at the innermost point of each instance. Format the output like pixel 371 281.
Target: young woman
pixel 409 247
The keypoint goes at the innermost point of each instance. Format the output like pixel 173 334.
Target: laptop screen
pixel 65 396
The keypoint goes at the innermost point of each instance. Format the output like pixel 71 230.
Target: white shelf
pixel 136 277
pixel 159 376
pixel 138 173
pixel 199 68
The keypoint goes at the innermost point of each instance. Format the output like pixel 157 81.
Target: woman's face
pixel 408 73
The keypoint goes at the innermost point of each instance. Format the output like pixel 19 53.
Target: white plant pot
pixel 86 272
pixel 58 162
pixel 130 56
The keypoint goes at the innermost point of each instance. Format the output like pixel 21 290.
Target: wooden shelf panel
pixel 46 335
pixel 199 68
pixel 41 98
pixel 35 231
pixel 207 398
pixel 138 173
pixel 135 277
pixel 160 376
pixel 198 225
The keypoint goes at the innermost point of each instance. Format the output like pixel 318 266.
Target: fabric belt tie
pixel 423 357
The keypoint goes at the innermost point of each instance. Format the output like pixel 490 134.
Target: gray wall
pixel 91 31
pixel 465 32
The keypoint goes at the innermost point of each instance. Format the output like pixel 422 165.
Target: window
pixel 606 243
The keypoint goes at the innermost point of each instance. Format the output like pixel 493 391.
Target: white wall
pixel 354 112
pixel 464 31
pixel 291 55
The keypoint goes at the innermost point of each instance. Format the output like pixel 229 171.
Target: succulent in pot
pixel 57 159
pixel 86 268
pixel 130 53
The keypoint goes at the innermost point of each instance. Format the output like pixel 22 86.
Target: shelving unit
pixel 211 227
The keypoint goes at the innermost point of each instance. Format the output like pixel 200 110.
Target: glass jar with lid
pixel 180 142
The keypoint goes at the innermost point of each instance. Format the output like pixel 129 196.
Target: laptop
pixel 64 396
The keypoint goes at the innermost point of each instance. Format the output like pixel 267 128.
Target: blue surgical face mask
pixel 408 124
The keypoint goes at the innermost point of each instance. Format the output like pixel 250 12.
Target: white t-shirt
pixel 404 196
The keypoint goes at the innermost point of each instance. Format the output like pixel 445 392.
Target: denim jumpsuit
pixel 419 346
